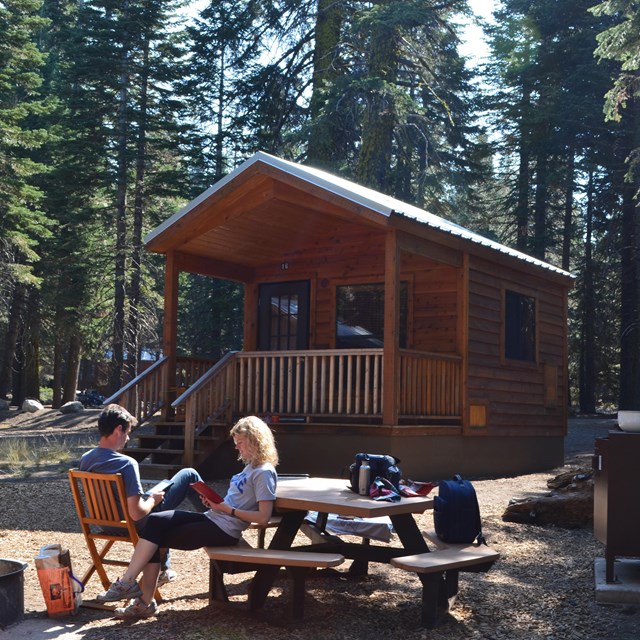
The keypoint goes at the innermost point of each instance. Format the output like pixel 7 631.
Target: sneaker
pixel 120 590
pixel 137 609
pixel 166 576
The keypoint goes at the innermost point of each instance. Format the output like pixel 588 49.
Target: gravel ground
pixel 542 587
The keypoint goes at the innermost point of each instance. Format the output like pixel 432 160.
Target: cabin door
pixel 283 316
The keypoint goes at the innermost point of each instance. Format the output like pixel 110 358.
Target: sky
pixel 473 44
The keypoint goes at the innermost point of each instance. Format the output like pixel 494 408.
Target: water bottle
pixel 364 478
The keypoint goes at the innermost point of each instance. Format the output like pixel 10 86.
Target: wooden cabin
pixel 369 326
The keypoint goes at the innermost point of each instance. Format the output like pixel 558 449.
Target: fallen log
pixel 569 505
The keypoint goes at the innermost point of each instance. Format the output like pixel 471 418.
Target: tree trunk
pixel 73 368
pixel 568 208
pixel 522 207
pixel 220 128
pixel 119 320
pixel 138 217
pixel 324 136
pixel 18 371
pixel 539 244
pixel 372 169
pixel 629 281
pixel 16 319
pixel 57 367
pixel 587 347
pixel 31 346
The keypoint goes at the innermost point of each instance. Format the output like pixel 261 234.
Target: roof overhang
pixel 238 219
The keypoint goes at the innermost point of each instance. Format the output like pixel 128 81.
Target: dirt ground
pixel 541 588
pixel 14 422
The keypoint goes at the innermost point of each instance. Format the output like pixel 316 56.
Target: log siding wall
pixel 518 403
pixel 514 396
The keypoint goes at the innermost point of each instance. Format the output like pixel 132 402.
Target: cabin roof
pixel 368 198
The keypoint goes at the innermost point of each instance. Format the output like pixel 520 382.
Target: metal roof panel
pixel 369 198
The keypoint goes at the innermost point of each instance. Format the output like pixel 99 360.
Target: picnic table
pixel 296 497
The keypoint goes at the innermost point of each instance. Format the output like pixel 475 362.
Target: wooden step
pixel 149 450
pixel 176 437
pixel 161 423
pixel 160 454
pixel 158 471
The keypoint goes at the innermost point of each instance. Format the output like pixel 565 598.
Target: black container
pixel 616 507
pixel 11 591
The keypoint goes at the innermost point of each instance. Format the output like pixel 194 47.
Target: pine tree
pixel 125 66
pixel 22 224
pixel 402 102
pixel 561 164
pixel 620 42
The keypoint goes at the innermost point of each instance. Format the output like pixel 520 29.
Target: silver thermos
pixel 364 478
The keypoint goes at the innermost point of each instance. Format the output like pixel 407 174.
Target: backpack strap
pixel 480 539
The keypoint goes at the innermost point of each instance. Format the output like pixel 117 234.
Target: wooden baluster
pixel 314 385
pixel 366 408
pixel 349 398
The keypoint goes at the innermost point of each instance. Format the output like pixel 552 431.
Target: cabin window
pixel 360 316
pixel 519 326
pixel 283 318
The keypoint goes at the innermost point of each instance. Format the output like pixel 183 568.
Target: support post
pixel 169 332
pixel 391 355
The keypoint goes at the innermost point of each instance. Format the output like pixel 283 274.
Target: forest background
pixel 115 113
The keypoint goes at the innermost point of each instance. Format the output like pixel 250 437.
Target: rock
pixel 4 405
pixel 31 406
pixel 74 406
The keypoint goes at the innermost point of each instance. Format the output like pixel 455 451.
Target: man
pixel 114 425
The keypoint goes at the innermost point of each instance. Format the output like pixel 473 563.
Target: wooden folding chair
pixel 101 502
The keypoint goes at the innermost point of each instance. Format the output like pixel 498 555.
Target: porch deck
pixel 328 386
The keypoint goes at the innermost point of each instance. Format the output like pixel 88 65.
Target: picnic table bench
pixel 439 570
pixel 241 558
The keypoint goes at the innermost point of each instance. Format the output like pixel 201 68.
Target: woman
pixel 250 498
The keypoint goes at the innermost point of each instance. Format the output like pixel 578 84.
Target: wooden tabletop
pixel 331 495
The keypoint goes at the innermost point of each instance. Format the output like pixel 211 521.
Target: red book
pixel 205 490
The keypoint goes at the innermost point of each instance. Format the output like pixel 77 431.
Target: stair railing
pixel 206 400
pixel 144 395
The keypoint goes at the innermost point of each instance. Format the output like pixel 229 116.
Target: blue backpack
pixel 456 512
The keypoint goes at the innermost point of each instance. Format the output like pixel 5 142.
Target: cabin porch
pixel 188 412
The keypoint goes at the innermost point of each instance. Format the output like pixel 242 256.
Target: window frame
pixel 508 358
pixel 405 284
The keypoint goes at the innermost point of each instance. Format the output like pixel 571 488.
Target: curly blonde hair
pixel 260 441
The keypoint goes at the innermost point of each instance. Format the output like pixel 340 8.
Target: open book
pixel 206 491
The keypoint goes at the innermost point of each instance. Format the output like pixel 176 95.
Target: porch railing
pixel 331 382
pixel 189 370
pixel 342 383
pixel 430 385
pixel 145 395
